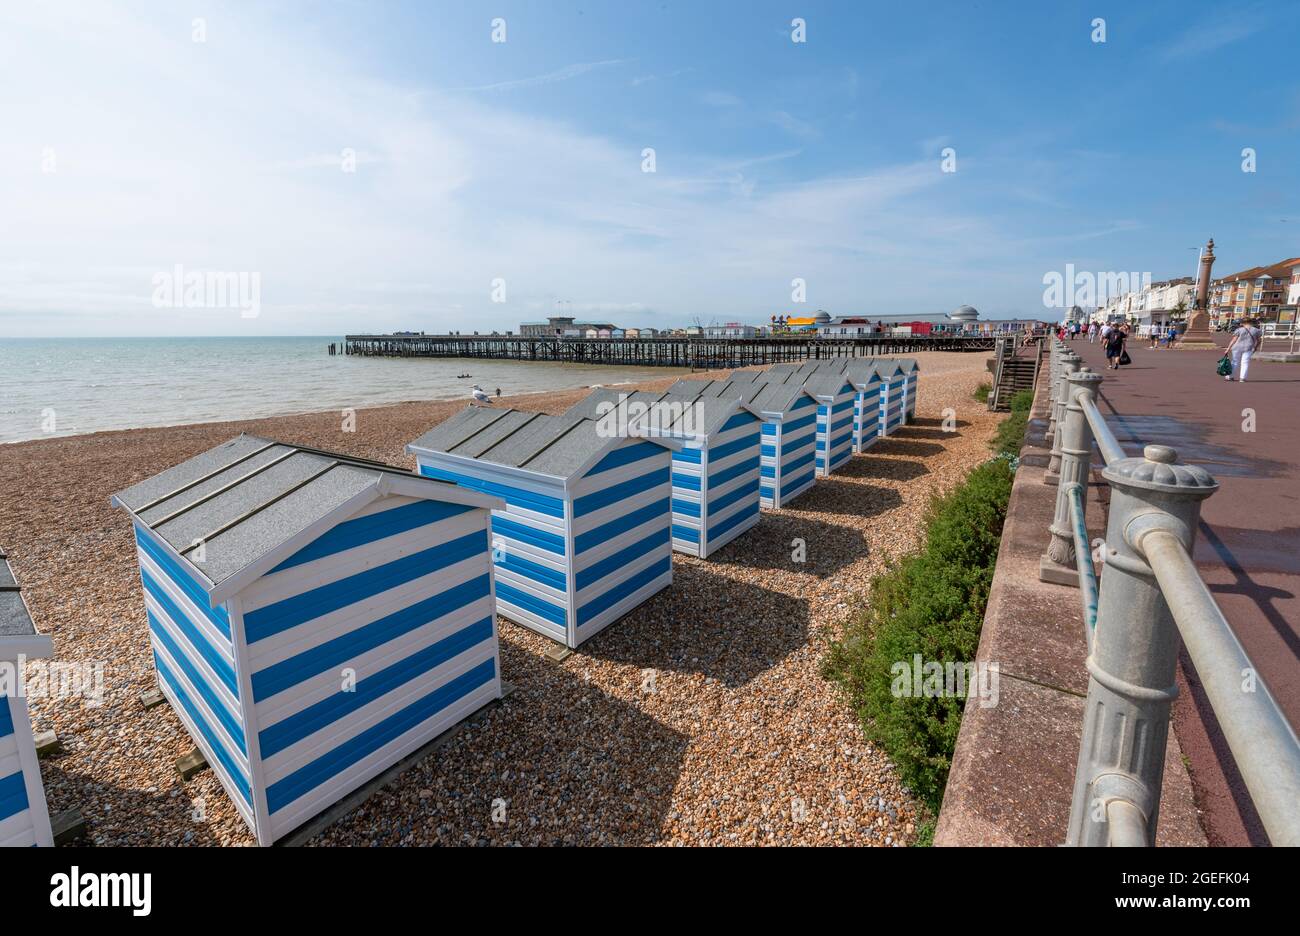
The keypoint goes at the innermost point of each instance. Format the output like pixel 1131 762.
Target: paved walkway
pixel 1248 545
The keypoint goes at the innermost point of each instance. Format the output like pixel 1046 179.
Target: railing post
pixel 1057 564
pixel 1135 646
pixel 1070 363
pixel 1053 385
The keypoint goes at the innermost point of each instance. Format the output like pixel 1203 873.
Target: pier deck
pixel 705 353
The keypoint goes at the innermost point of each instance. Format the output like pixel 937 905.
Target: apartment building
pixel 1259 292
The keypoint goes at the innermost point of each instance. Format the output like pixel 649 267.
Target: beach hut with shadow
pixel 835 397
pixel 868 385
pixel 584 534
pixel 911 377
pixel 24 817
pixel 715 441
pixel 314 618
pixel 893 390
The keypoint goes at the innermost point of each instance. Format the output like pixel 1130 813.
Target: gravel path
pixel 700 718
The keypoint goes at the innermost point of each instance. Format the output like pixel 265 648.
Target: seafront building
pixel 1259 292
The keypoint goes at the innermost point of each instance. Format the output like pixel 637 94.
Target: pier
pixel 679 351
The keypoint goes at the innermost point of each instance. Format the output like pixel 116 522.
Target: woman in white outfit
pixel 1245 342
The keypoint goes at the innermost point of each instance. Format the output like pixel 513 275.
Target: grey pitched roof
pixel 15 621
pixel 589 406
pixel 248 496
pixel 697 388
pixel 744 376
pixel 776 397
pixel 823 384
pixel 552 445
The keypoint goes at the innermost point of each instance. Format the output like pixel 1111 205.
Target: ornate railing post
pixel 1054 385
pixel 1135 650
pixel 1058 562
pixel 1070 363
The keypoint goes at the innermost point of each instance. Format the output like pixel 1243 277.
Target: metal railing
pixel 1150 601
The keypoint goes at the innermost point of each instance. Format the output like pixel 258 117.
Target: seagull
pixel 478 394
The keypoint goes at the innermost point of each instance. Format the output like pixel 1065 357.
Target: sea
pixel 68 386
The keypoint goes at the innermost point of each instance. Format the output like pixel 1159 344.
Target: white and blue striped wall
pixel 194 658
pixel 866 413
pixel 24 818
pixel 574 555
pixel 364 645
pixel 909 396
pixel 891 401
pixel 716 486
pixel 530 538
pixel 620 535
pixel 835 429
pixel 789 453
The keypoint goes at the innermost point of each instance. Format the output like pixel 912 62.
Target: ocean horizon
pixel 56 387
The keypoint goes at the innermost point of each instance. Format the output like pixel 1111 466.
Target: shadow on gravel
pixel 560 761
pixel 869 466
pixel 894 445
pixel 839 495
pixel 719 627
pixel 136 817
pixel 828 547
pixel 914 433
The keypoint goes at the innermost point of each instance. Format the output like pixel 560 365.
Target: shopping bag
pixel 1124 358
pixel 1224 367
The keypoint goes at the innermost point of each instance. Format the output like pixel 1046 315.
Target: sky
pixel 373 166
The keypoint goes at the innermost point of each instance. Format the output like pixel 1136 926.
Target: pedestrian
pixel 1114 341
pixel 1154 334
pixel 1171 335
pixel 1245 341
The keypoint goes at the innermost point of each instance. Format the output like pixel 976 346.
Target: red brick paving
pixel 1248 545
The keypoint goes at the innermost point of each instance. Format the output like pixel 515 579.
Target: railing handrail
pixel 1262 741
pixel 1150 599
pixel 1111 450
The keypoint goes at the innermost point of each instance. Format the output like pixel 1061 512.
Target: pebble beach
pixel 701 718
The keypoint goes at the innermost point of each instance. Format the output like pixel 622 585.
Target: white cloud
pixel 224 156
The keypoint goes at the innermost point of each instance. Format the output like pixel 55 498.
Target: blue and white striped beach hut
pixel 24 818
pixel 714 442
pixel 892 392
pixel 583 537
pixel 787 458
pixel 314 617
pixel 868 383
pixel 835 397
pixel 911 373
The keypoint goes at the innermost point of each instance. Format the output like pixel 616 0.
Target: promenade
pixel 1248 545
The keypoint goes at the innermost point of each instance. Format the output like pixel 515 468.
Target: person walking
pixel 1245 342
pixel 1114 342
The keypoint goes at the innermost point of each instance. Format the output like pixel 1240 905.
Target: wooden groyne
pixel 700 353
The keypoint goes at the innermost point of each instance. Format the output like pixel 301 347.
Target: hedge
pixel 931 603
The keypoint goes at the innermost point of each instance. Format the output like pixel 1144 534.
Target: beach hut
pixel 715 443
pixel 893 387
pixel 835 396
pixel 868 384
pixel 314 618
pixel 911 373
pixel 24 818
pixel 583 536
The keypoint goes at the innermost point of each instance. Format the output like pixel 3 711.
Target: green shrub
pixel 1022 401
pixel 1010 435
pixel 925 834
pixel 982 392
pixel 931 603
